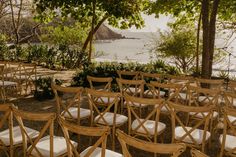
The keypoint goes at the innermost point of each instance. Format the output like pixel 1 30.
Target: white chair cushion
pixel 232 119
pixel 230 142
pixel 17 136
pixel 97 153
pixel 201 115
pixel 59 146
pixel 105 100
pixel 205 99
pixel 149 125
pixel 74 112
pixel 149 93
pixel 7 83
pixel 135 104
pixel 108 116
pixel 197 135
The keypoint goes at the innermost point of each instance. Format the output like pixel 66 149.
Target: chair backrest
pixel 230 99
pixel 125 140
pixel 6 118
pixel 202 96
pixel 67 97
pixel 100 132
pixel 47 118
pixel 109 100
pixel 131 87
pixel 154 106
pixel 180 116
pixel 130 75
pixel 180 79
pixel 104 83
pixel 197 153
pixel 147 77
pixel 210 83
pixel 172 90
pixel 229 129
pixel 232 86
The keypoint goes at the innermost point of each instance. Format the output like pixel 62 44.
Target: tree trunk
pixel 198 38
pixel 205 51
pixel 94 31
pixel 212 32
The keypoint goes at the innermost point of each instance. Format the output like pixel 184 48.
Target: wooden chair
pixel 197 153
pixel 232 86
pixel 106 111
pixel 167 91
pixel 6 140
pixel 183 80
pixel 131 87
pixel 174 150
pixel 129 75
pixel 147 77
pixel 103 83
pixel 147 124
pixel 68 101
pixel 230 99
pixel 210 83
pixel 228 138
pixel 7 88
pixel 41 144
pixel 193 134
pixel 91 151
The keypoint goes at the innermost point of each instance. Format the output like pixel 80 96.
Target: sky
pixel 152 24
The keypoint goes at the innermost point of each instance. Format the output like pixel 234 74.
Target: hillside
pixel 103 33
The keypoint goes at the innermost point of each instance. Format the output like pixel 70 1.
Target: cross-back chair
pixel 196 134
pixel 131 87
pixel 97 149
pixel 100 83
pixel 7 87
pixel 68 102
pixel 147 77
pixel 129 75
pixel 167 91
pixel 174 150
pixel 106 112
pixel 6 141
pixel 146 124
pixel 197 153
pixel 232 86
pixel 228 138
pixel 44 143
pixel 230 99
pixel 210 83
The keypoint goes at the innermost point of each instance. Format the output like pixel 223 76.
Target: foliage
pixel 122 13
pixel 177 45
pixel 43 88
pixel 73 35
pixel 50 57
pixel 109 69
pixel 3 46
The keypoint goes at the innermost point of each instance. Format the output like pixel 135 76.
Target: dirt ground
pixel 28 103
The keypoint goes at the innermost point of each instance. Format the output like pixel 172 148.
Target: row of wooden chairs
pixel 18 76
pixel 39 143
pixel 137 126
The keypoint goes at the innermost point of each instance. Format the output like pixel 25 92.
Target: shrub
pixel 108 69
pixel 43 88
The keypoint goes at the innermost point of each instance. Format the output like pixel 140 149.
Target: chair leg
pixel 113 138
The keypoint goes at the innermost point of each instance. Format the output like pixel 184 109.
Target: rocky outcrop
pixel 105 33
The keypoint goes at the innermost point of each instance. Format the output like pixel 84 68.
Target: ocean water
pixel 137 47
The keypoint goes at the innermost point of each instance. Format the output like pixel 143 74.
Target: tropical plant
pixel 177 46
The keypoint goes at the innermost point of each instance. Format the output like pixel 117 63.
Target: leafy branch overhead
pixel 119 13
